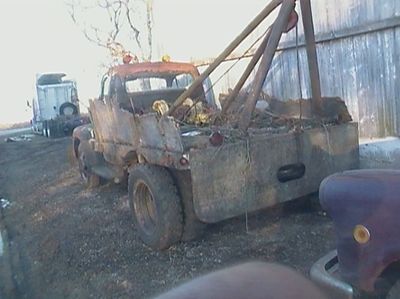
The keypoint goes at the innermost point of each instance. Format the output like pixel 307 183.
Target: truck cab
pixel 364 207
pixel 136 86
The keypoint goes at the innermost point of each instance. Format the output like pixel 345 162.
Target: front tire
pixel 90 179
pixel 155 205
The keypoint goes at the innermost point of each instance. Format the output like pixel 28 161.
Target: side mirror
pixel 103 81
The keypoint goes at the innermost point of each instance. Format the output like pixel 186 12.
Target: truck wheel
pixel 90 179
pixel 394 292
pixel 156 206
pixel 68 109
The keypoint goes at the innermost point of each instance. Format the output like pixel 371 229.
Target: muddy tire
pixel 394 292
pixel 155 205
pixel 90 179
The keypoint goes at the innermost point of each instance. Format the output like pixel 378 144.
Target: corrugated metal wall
pixel 357 64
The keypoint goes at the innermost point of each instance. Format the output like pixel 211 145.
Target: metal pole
pixel 252 64
pixel 316 98
pixel 278 28
pixel 238 40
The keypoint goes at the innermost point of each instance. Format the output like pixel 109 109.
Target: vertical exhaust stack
pixel 316 98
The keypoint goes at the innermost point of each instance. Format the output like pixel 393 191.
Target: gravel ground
pixel 64 241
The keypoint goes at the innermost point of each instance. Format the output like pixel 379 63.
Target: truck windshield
pixel 158 83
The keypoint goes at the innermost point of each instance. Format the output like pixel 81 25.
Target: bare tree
pixel 120 26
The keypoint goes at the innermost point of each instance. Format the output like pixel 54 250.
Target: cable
pixel 298 72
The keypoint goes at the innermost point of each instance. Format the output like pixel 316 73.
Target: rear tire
pixel 155 205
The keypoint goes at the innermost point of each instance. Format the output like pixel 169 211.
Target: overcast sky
pixel 37 36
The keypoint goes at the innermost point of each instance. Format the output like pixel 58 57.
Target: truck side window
pixel 182 81
pixel 112 89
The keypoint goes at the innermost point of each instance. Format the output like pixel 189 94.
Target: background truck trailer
pixel 55 107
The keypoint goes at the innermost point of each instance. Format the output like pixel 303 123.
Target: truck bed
pixel 263 170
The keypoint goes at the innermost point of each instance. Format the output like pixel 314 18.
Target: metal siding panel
pixel 346 54
pixel 368 113
pixel 363 70
pixel 396 79
pixel 396 7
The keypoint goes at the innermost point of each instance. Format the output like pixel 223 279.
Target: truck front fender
pixel 79 135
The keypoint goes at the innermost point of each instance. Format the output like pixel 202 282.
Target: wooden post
pixel 316 97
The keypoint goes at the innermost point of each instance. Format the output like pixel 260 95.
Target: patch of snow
pixel 191 133
pixel 20 138
pixel 4 203
pixel 380 152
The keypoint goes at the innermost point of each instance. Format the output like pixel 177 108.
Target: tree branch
pixel 121 16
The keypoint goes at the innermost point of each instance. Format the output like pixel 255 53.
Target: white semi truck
pixel 55 106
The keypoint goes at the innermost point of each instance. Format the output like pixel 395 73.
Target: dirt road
pixel 63 241
pixel 14 131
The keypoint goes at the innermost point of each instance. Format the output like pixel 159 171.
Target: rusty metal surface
pixel 159 140
pixel 120 133
pixel 159 133
pixel 102 120
pixel 155 67
pixel 368 198
pixel 241 176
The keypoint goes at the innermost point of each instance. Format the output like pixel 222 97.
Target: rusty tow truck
pixel 190 162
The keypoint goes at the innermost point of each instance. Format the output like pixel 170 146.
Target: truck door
pixel 124 122
pixel 102 119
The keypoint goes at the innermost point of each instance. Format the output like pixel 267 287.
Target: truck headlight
pixel 361 234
